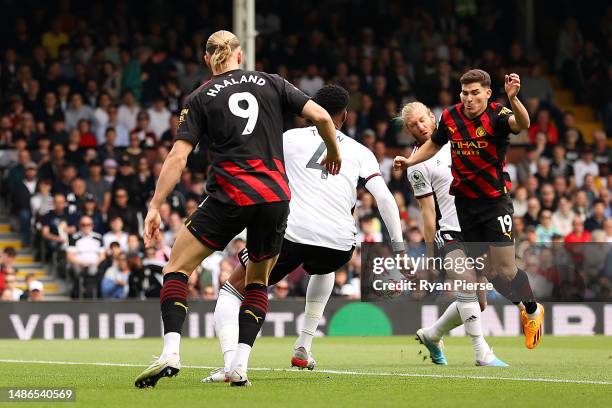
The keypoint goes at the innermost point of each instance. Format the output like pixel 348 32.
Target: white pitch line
pixel 339 372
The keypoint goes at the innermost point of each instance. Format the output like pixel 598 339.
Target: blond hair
pixel 409 108
pixel 220 47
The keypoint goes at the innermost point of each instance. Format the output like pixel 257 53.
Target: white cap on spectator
pixel 110 163
pixel 36 285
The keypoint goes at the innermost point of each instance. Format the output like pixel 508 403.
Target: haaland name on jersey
pixel 233 81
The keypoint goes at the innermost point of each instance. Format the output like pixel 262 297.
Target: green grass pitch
pixel 563 371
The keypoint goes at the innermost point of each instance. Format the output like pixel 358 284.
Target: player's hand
pixel 151 227
pixel 332 162
pixel 512 85
pixel 400 163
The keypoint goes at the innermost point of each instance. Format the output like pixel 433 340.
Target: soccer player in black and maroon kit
pixel 238 116
pixel 479 134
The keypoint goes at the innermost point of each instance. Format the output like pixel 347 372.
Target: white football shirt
pixel 321 205
pixel 434 176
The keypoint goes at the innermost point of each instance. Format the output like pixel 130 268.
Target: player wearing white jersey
pixel 321 231
pixel 431 181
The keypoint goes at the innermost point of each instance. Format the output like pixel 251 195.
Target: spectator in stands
pixel 528 165
pixel 54 38
pixel 563 217
pixel 585 165
pixel 134 245
pixel 603 152
pixel 14 293
pixel 159 117
pixel 42 201
pixel 115 281
pixel 121 208
pixel 99 188
pixel 58 224
pixel 519 201
pixel 545 230
pixel 311 82
pixel 548 200
pixel 7 265
pixel 544 124
pixel 87 138
pixel 536 85
pixel 385 163
pixel 101 113
pixel 85 249
pixel 78 111
pixel 21 202
pixel 581 204
pixel 532 216
pixel 543 173
pixel 597 218
pixel 280 290
pixel 128 111
pixel 50 112
pixel 36 291
pixel 560 166
pixel 146 136
pixel 116 234
pixel 578 234
pixel 119 139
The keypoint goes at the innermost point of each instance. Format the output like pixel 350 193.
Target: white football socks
pixel 469 310
pixel 319 289
pixel 226 322
pixel 241 359
pixel 172 343
pixel 445 323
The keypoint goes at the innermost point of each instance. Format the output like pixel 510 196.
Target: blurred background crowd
pixel 90 95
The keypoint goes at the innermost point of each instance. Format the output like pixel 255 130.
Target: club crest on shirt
pixel 481 132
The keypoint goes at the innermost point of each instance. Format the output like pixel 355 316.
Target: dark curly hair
pixel 333 98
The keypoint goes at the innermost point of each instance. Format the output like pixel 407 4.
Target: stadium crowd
pixel 91 96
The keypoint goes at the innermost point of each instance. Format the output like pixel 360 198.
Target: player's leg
pixel 187 253
pixel 226 320
pixel 508 275
pixel 266 224
pixel 320 263
pixel 468 304
pixel 431 337
pixel 207 230
pixel 317 294
pixel 499 232
pixel 228 306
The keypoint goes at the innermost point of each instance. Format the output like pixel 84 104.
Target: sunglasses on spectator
pixel 86 224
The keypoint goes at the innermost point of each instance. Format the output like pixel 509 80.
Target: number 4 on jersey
pixel 313 163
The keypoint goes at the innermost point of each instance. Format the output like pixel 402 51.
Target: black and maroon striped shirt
pixel 239 118
pixel 478 150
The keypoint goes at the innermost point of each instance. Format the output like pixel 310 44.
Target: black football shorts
pixel 485 222
pixel 215 224
pixel 447 241
pixel 316 260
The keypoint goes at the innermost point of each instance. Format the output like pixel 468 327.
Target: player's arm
pixel 191 125
pixel 388 210
pixel 171 172
pixel 520 120
pixel 428 207
pixel 425 152
pixel 325 126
